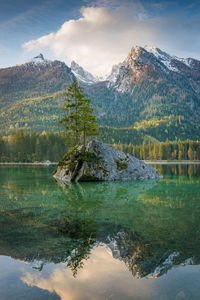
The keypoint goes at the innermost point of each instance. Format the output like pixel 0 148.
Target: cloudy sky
pixel 96 34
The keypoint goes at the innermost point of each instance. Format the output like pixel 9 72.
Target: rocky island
pixel 101 162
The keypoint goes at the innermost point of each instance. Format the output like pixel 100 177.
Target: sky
pixel 96 34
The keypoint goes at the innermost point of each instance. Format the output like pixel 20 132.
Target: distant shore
pixel 156 162
pixel 172 162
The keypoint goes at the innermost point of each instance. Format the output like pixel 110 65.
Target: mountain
pixel 157 90
pixel 82 75
pixel 34 78
pixel 39 59
pixel 151 93
pixel 153 62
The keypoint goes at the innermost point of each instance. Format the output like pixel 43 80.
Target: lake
pixel 118 240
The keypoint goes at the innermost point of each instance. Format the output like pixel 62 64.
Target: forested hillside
pixel 151 96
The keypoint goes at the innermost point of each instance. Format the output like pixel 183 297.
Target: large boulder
pixel 101 162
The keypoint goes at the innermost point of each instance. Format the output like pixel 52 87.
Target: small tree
pixel 89 125
pixel 79 121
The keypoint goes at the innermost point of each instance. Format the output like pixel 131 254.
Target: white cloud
pixel 103 37
pixel 99 39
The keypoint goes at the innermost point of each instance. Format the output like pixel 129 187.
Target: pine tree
pixel 2 148
pixel 88 121
pixel 79 120
pixel 155 152
pixel 161 151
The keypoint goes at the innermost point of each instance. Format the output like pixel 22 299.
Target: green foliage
pixel 79 120
pixel 182 150
pixel 29 147
pixel 24 147
pixel 158 107
pixel 35 114
pixel 121 164
pixel 122 121
pixel 77 155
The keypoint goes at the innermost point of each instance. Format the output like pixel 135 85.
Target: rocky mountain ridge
pixel 39 59
pixel 140 61
pixel 151 91
pixel 34 78
pixel 83 76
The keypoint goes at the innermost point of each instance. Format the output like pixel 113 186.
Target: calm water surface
pixel 121 240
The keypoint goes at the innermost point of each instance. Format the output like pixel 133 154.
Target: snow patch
pixel 186 61
pixel 165 58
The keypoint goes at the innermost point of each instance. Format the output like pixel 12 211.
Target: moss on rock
pixel 122 164
pixel 101 162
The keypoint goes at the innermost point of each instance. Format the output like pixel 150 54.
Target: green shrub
pixel 121 164
pixel 75 155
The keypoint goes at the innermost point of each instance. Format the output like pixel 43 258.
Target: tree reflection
pixel 149 225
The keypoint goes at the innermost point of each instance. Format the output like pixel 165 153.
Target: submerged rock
pixel 101 162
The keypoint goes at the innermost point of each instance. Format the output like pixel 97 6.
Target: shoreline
pixel 156 162
pixel 172 162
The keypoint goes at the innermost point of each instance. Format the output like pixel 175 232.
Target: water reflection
pixel 149 226
pixel 189 170
pixel 106 278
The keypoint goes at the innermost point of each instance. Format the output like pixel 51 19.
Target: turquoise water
pixel 120 240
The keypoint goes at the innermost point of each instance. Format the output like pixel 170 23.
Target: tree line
pixel 181 150
pixel 22 146
pixel 80 124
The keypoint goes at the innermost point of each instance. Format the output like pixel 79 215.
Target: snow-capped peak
pixel 158 53
pixel 39 59
pixel 162 56
pixel 167 59
pixel 123 74
pixel 165 56
pixel 82 75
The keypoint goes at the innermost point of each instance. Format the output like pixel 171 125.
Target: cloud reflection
pixel 103 277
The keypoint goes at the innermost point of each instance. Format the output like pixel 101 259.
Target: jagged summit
pixel 169 61
pixel 39 59
pixel 142 60
pixel 153 56
pixel 82 75
pixel 165 56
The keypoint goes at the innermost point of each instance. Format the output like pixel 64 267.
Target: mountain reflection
pixel 148 225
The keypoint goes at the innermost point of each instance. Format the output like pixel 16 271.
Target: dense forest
pixel 43 113
pixel 22 146
pixel 181 150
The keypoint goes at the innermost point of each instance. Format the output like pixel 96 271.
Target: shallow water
pixel 120 240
